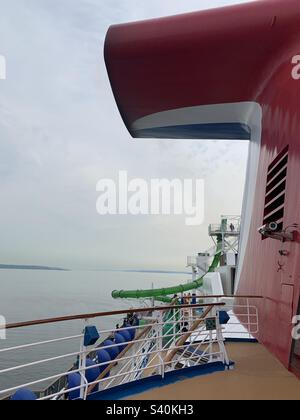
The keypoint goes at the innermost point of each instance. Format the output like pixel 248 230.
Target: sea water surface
pixel 28 295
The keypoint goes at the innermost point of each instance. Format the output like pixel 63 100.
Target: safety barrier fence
pixel 153 341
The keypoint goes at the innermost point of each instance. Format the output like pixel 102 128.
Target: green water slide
pixel 163 295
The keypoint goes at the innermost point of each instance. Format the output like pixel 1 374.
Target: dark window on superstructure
pixel 275 189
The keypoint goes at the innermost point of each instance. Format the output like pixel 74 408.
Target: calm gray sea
pixel 27 295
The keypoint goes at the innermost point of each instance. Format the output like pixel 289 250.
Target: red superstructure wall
pixel 265 271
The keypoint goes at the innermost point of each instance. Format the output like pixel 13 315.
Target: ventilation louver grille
pixel 275 191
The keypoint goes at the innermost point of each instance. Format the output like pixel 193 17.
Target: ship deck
pixel 257 376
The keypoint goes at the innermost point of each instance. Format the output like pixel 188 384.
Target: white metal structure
pixel 200 263
pixel 229 230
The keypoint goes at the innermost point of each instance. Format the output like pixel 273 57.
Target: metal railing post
pixel 174 326
pixel 82 362
pixel 220 339
pixel 160 343
pixel 249 319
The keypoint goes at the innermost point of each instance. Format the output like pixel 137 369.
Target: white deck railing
pixel 171 338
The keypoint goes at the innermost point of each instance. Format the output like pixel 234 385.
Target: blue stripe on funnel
pixel 224 131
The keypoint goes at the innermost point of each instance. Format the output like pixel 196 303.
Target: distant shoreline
pixel 112 270
pixel 141 271
pixel 30 267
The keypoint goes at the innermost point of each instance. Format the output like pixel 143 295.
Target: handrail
pixel 225 296
pixel 103 314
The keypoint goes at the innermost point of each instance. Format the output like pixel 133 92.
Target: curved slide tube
pixel 162 294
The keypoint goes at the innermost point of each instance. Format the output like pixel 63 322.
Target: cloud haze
pixel 60 132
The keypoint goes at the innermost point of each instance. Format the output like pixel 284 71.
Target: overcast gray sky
pixel 60 132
